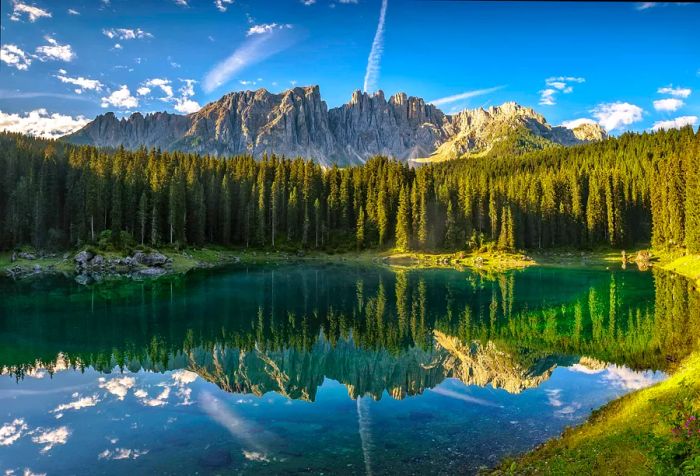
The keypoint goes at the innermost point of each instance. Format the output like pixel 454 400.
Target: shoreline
pixel 176 262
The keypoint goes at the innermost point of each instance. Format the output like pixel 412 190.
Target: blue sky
pixel 628 66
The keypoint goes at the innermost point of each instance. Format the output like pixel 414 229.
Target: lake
pixel 286 369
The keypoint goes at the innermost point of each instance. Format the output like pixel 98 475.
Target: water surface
pixel 324 368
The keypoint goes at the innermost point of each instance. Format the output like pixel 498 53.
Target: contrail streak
pixel 375 54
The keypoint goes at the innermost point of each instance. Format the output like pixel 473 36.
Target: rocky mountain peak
pixel 297 122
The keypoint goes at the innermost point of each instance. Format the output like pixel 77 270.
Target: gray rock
pixel 150 259
pixel 82 258
pixel 297 122
pixel 37 269
pixel 97 261
pixel 26 255
pixel 82 279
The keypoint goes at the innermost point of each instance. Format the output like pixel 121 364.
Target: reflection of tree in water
pixel 372 329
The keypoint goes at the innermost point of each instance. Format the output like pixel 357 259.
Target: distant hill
pixel 297 122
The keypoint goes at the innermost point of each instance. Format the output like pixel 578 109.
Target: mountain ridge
pixel 297 122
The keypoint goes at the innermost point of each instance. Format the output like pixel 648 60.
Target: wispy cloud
pixel 82 83
pixel 464 95
pixel 574 123
pixel 126 33
pixel 676 123
pixel 222 5
pixel 617 115
pixel 555 85
pixel 375 54
pixel 266 28
pixel 676 92
pixel 31 12
pixel 254 49
pixel 645 5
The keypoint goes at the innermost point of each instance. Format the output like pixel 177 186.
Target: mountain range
pixel 297 122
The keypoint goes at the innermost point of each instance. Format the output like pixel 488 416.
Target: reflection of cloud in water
pixel 118 386
pixel 554 397
pixel 122 453
pixel 255 456
pixel 363 422
pixel 77 404
pixel 621 376
pixel 183 377
pixel 237 426
pixel 26 472
pixel 11 432
pixel 465 398
pixel 627 379
pixel 51 438
pixel 159 401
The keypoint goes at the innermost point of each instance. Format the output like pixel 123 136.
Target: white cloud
pixel 308 3
pixel 221 5
pixel 40 123
pixel 33 13
pixel 118 386
pixel 11 432
pixel 71 11
pixel 254 49
pixel 184 377
pixel 375 53
pixel 15 57
pixel 464 95
pixel 186 106
pixel 55 51
pixel 547 97
pixel 126 33
pixel 668 104
pixel 77 404
pixel 117 46
pixel 181 3
pixel 82 83
pixel 51 438
pixel 555 85
pixel 121 453
pixel 348 2
pixel 143 91
pixel 573 124
pixel 120 98
pixel 617 115
pixel 266 28
pixel 677 92
pixel 554 397
pixel 164 85
pixel 676 123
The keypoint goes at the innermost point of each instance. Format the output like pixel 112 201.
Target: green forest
pixel 638 188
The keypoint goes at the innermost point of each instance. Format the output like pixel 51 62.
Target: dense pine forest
pixel 637 188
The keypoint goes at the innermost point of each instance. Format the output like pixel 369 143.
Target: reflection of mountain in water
pixel 374 330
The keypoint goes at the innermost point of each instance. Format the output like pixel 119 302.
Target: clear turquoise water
pixel 321 369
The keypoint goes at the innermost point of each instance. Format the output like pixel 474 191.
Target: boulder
pixel 26 255
pixel 97 261
pixel 150 259
pixel 82 258
pixel 150 272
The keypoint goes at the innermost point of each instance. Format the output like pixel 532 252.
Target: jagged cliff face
pixel 297 122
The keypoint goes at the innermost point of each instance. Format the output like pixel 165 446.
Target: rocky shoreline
pixel 87 267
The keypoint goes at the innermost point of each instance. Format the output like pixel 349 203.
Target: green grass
pixel 688 266
pixel 629 436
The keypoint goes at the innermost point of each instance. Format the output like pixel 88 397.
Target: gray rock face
pixel 297 122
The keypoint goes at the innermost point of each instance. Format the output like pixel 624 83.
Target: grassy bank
pixel 488 261
pixel 641 433
pixel 688 266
